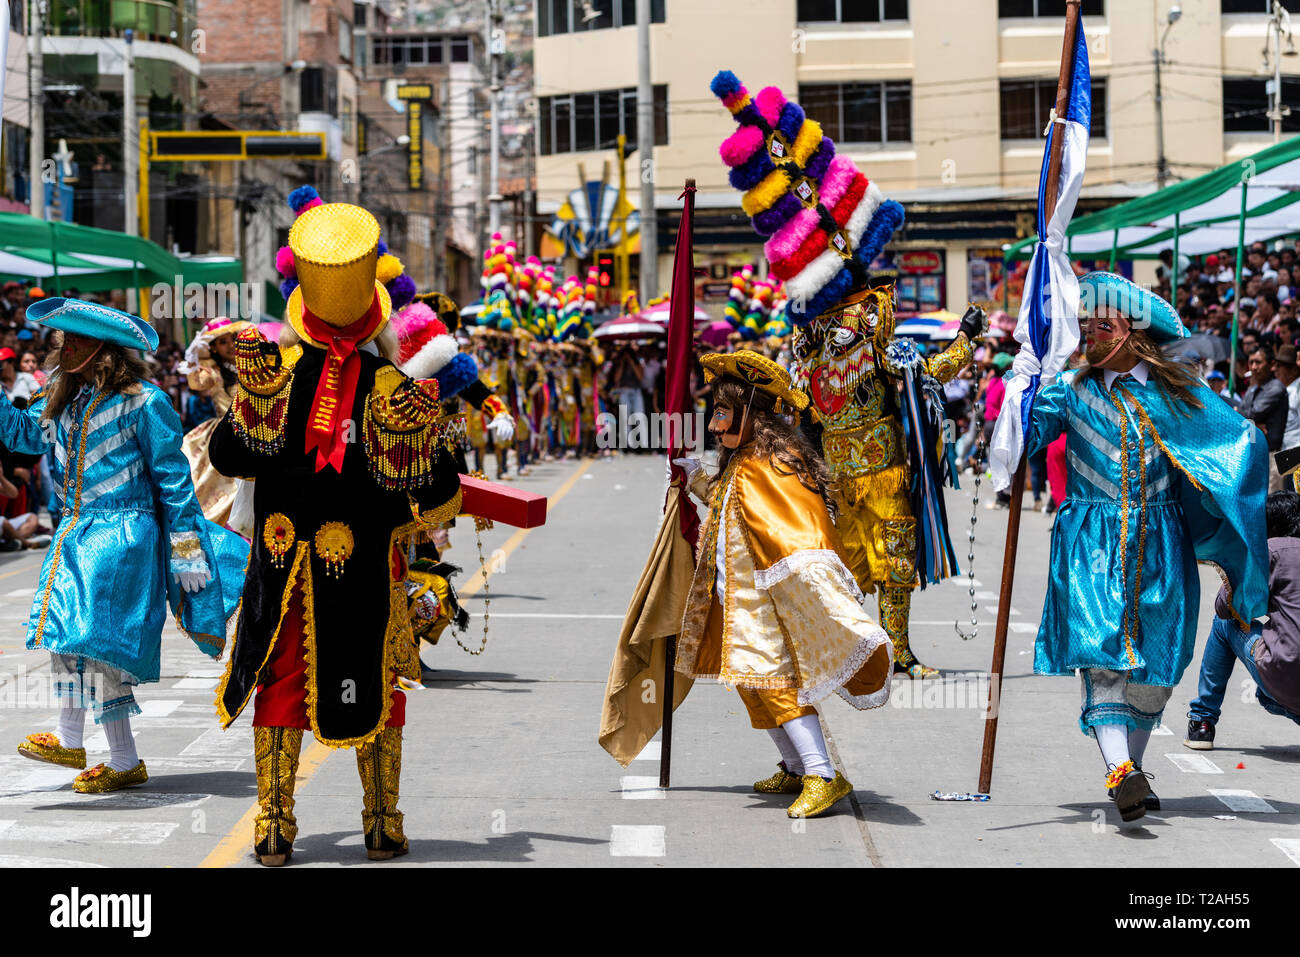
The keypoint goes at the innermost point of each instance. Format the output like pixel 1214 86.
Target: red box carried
pixel 501 503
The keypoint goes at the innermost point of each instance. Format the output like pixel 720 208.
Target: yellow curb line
pixel 234 847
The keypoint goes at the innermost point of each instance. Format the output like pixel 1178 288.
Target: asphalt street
pixel 501 764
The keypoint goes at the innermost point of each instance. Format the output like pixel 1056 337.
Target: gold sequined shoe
pixel 916 670
pixel 380 765
pixel 101 778
pixel 45 746
pixel 783 782
pixel 819 795
pixel 274 830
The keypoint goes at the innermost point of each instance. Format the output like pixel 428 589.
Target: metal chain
pixel 974 518
pixel 487 601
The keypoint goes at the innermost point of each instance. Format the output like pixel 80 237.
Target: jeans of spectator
pixel 631 402
pixel 966 445
pixel 1226 644
pixel 1038 473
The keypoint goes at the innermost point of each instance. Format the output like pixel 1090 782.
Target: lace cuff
pixel 765 578
pixel 187 553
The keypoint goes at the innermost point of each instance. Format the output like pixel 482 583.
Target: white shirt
pixel 720 553
pixel 1139 372
pixel 1291 437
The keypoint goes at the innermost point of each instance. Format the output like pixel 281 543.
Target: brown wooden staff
pixel 1050 194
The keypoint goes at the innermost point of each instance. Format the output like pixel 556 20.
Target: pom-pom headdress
pixel 825 221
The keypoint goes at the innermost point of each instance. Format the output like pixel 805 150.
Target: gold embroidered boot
pixel 380 766
pixel 895 604
pixel 277 752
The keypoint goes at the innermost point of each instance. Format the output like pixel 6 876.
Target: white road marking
pixel 13 862
pixel 159 708
pixel 533 614
pixel 651 752
pixel 1023 627
pixel 1290 846
pixel 641 788
pixel 993 610
pixel 196 684
pixel 1159 730
pixel 46 779
pixel 81 831
pixel 21 593
pixel 986 596
pixel 625 840
pixel 963 582
pixel 218 742
pixel 205 673
pixel 1194 763
pixel 1243 801
pixel 127 800
pixel 95 743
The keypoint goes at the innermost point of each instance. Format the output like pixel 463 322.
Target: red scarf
pixel 337 388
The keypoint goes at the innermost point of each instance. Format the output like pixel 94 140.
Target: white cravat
pixel 1139 372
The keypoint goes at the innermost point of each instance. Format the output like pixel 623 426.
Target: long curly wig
pixel 114 369
pixel 775 439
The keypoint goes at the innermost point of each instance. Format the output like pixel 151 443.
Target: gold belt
pixel 868 449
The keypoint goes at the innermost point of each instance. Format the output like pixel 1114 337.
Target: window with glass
pixel 1246 103
pixel 460 49
pixel 554 17
pixel 1027 104
pixel 578 122
pixel 850 11
pixel 1246 6
pixel 1048 8
pixel 861 112
pixel 318 91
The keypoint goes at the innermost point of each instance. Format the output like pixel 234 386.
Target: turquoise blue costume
pixel 1154 487
pixel 129 519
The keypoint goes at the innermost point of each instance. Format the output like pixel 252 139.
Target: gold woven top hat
pixel 335 249
pixel 756 370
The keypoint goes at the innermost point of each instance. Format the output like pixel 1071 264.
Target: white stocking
pixel 789 755
pixel 1137 745
pixel 806 735
pixel 1113 741
pixel 71 726
pixel 121 744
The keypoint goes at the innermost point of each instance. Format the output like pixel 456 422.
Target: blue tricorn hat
pixel 1147 311
pixel 95 321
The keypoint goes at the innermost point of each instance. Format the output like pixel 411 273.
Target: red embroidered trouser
pixel 281 700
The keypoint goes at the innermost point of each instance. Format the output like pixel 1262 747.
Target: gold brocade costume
pixel 841 364
pixel 216 492
pixel 789 625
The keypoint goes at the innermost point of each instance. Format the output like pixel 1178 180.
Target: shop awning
pixel 1196 217
pixel 60 256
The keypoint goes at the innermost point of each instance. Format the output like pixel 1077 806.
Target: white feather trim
pixel 435 354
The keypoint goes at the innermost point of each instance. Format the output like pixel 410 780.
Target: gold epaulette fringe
pixel 260 406
pixel 885 483
pixel 403 429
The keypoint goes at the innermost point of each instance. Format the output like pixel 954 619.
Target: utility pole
pixel 130 141
pixel 36 101
pixel 496 38
pixel 1279 23
pixel 1158 54
pixel 527 219
pixel 645 140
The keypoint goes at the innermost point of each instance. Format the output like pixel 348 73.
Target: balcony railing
pixel 156 20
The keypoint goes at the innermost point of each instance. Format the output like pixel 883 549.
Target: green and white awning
pixel 1199 216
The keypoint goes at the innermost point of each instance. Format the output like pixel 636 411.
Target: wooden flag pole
pixel 1050 191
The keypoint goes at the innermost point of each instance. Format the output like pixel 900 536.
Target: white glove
pixel 193 581
pixel 691 467
pixel 503 427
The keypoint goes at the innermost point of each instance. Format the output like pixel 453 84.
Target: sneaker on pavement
pixel 1200 735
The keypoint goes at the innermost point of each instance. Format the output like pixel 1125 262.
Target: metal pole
pixel 1236 295
pixel 645 143
pixel 1275 26
pixel 1173 283
pixel 496 47
pixel 130 141
pixel 1162 167
pixel 36 101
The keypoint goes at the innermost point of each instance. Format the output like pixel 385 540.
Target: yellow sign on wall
pixel 415 91
pixel 415 149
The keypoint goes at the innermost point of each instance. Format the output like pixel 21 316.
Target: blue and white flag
pixel 1048 325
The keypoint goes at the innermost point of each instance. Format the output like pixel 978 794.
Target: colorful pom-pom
pixel 304 198
pixel 284 263
pixel 388 268
pixel 383 248
pixel 725 84
pixel 287 287
pixel 401 290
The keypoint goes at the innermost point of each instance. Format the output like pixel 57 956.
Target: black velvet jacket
pixel 335 535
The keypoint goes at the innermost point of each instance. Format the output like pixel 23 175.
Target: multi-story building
pixel 276 64
pixel 942 103
pixel 16 116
